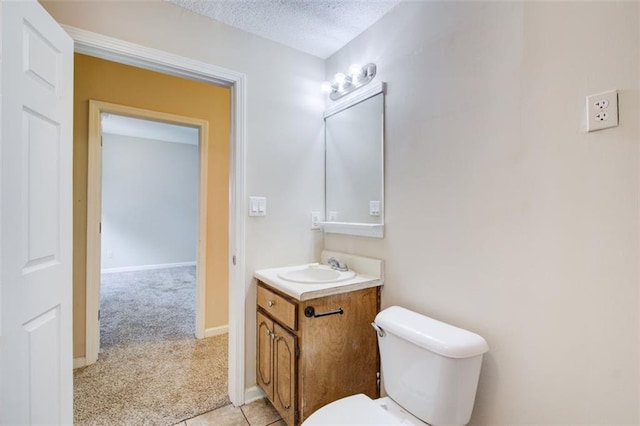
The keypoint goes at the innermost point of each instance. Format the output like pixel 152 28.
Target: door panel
pixel 41 144
pixel 265 354
pixel 44 379
pixel 284 380
pixel 36 217
pixel 42 58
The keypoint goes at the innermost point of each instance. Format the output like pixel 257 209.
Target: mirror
pixel 354 181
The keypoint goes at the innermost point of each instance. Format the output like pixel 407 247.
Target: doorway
pixel 97 110
pixel 105 47
pixel 150 177
pixel 149 230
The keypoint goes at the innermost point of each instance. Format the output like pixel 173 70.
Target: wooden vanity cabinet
pixel 305 362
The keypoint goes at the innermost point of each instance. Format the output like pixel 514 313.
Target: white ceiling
pixel 147 129
pixel 317 27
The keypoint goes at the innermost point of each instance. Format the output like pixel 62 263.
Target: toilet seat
pixel 361 410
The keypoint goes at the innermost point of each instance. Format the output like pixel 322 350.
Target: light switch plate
pixel 602 110
pixel 257 206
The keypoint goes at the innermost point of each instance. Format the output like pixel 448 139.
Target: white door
pixel 35 217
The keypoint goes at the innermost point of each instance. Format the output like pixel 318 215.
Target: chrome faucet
pixel 337 265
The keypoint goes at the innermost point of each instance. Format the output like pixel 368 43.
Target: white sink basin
pixel 316 274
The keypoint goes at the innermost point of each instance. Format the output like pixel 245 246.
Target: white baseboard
pixel 215 331
pixel 79 362
pixel 146 267
pixel 253 393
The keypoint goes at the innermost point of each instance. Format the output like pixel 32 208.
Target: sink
pixel 315 274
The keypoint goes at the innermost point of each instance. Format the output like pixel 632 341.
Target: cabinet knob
pixel 271 334
pixel 271 303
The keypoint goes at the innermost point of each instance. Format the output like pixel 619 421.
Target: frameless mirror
pixel 354 178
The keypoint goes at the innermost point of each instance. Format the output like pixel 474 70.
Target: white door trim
pixel 94 213
pixel 104 47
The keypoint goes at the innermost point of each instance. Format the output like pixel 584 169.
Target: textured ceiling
pixel 317 27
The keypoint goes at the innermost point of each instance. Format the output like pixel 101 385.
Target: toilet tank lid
pixel 436 336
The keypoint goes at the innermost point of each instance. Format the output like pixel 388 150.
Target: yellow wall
pixel 97 79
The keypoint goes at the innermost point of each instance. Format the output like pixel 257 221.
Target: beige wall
pixel 97 79
pixel 503 215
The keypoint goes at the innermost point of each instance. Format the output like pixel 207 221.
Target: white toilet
pixel 430 371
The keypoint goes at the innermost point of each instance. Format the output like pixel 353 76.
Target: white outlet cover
pixel 315 218
pixel 374 208
pixel 602 110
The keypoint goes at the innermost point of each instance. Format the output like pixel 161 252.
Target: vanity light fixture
pixel 343 84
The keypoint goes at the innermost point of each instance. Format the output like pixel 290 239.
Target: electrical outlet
pixel 374 208
pixel 315 218
pixel 333 217
pixel 602 111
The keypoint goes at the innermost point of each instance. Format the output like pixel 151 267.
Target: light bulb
pixel 326 86
pixel 339 78
pixel 355 71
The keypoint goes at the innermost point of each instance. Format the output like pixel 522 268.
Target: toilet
pixel 430 371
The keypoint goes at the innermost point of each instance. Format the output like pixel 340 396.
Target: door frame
pixel 94 213
pixel 104 47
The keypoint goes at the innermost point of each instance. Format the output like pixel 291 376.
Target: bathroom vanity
pixel 315 343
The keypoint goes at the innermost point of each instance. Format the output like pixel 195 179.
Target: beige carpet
pixel 151 370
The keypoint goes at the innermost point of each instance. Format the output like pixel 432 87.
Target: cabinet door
pixel 284 378
pixel 339 355
pixel 264 365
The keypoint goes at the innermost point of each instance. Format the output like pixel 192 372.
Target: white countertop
pixel 300 291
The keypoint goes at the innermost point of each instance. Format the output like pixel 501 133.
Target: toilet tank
pixel 429 368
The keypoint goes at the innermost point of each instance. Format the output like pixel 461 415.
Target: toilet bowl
pixel 362 410
pixel 430 370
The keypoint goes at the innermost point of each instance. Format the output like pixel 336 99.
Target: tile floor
pixel 257 413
